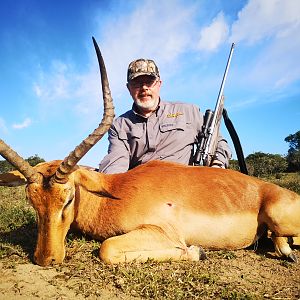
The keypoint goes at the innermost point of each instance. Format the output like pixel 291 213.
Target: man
pixel 154 129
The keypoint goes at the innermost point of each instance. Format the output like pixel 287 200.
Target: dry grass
pixel 289 181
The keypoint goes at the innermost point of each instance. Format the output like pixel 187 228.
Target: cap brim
pixel 135 75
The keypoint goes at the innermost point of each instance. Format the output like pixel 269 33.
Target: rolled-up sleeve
pixel 223 152
pixel 117 159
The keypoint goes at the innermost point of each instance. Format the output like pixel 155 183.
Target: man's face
pixel 144 91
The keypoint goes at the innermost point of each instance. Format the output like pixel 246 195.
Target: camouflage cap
pixel 140 67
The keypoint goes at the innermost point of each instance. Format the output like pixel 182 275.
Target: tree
pixel 293 157
pixel 5 166
pixel 234 165
pixel 264 164
pixel 34 160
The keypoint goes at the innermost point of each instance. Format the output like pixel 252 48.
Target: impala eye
pixel 64 212
pixel 69 202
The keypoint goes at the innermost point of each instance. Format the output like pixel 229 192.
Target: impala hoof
pixel 196 253
pixel 202 254
pixel 293 257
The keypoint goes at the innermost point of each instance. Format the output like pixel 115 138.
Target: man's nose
pixel 144 86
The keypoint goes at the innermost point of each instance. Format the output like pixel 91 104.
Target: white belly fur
pixel 220 232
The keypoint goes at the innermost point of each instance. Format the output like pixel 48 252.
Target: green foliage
pixel 261 164
pixel 294 141
pixel 234 165
pixel 5 166
pixel 293 156
pixel 290 181
pixel 34 160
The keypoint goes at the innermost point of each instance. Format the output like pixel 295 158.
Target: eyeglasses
pixel 139 84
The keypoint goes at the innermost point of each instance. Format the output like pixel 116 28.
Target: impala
pixel 158 210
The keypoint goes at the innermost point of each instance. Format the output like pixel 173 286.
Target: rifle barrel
pixel 214 120
pixel 223 81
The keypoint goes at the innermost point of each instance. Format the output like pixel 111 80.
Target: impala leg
pixel 283 248
pixel 147 242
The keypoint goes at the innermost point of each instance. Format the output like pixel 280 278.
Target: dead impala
pixel 158 210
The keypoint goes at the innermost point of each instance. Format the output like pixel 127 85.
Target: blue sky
pixel 50 97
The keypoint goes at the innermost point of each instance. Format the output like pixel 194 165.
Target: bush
pixel 264 164
pixel 5 166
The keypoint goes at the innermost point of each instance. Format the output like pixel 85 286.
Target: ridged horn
pixel 68 164
pixel 19 163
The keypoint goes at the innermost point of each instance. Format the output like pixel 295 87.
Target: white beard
pixel 150 104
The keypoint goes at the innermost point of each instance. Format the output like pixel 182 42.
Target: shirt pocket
pixel 169 126
pixel 133 139
pixel 176 135
pixel 134 133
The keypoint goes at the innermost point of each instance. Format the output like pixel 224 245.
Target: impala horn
pixel 19 163
pixel 68 164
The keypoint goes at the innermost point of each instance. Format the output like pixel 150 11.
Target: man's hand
pixel 217 164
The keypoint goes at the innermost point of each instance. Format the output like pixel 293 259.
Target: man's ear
pixel 13 178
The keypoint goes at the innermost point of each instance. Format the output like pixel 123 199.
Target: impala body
pixel 158 210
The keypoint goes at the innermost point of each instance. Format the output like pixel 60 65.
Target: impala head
pixel 51 187
pixel 54 206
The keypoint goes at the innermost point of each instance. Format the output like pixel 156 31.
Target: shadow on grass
pixel 21 241
pixel 23 236
pixel 265 247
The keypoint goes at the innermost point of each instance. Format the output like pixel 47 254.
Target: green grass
pixel 17 223
pixel 14 209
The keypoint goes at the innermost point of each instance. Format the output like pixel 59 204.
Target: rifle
pixel 207 144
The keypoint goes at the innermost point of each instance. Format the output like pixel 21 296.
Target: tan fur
pixel 159 210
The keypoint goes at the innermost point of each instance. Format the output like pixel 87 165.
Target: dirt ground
pixel 29 281
pixel 244 273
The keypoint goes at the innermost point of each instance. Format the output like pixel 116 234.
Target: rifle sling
pixel 236 142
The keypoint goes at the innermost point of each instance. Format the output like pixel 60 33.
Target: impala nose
pixel 44 261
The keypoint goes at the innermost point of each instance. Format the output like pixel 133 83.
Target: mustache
pixel 144 93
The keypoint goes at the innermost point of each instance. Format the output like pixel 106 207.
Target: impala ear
pixel 13 178
pixel 92 181
pixel 88 179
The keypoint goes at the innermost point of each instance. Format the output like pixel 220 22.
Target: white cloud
pixel 165 35
pixel 27 122
pixel 271 28
pixel 261 19
pixel 55 84
pixel 212 36
pixel 170 32
pixel 161 32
